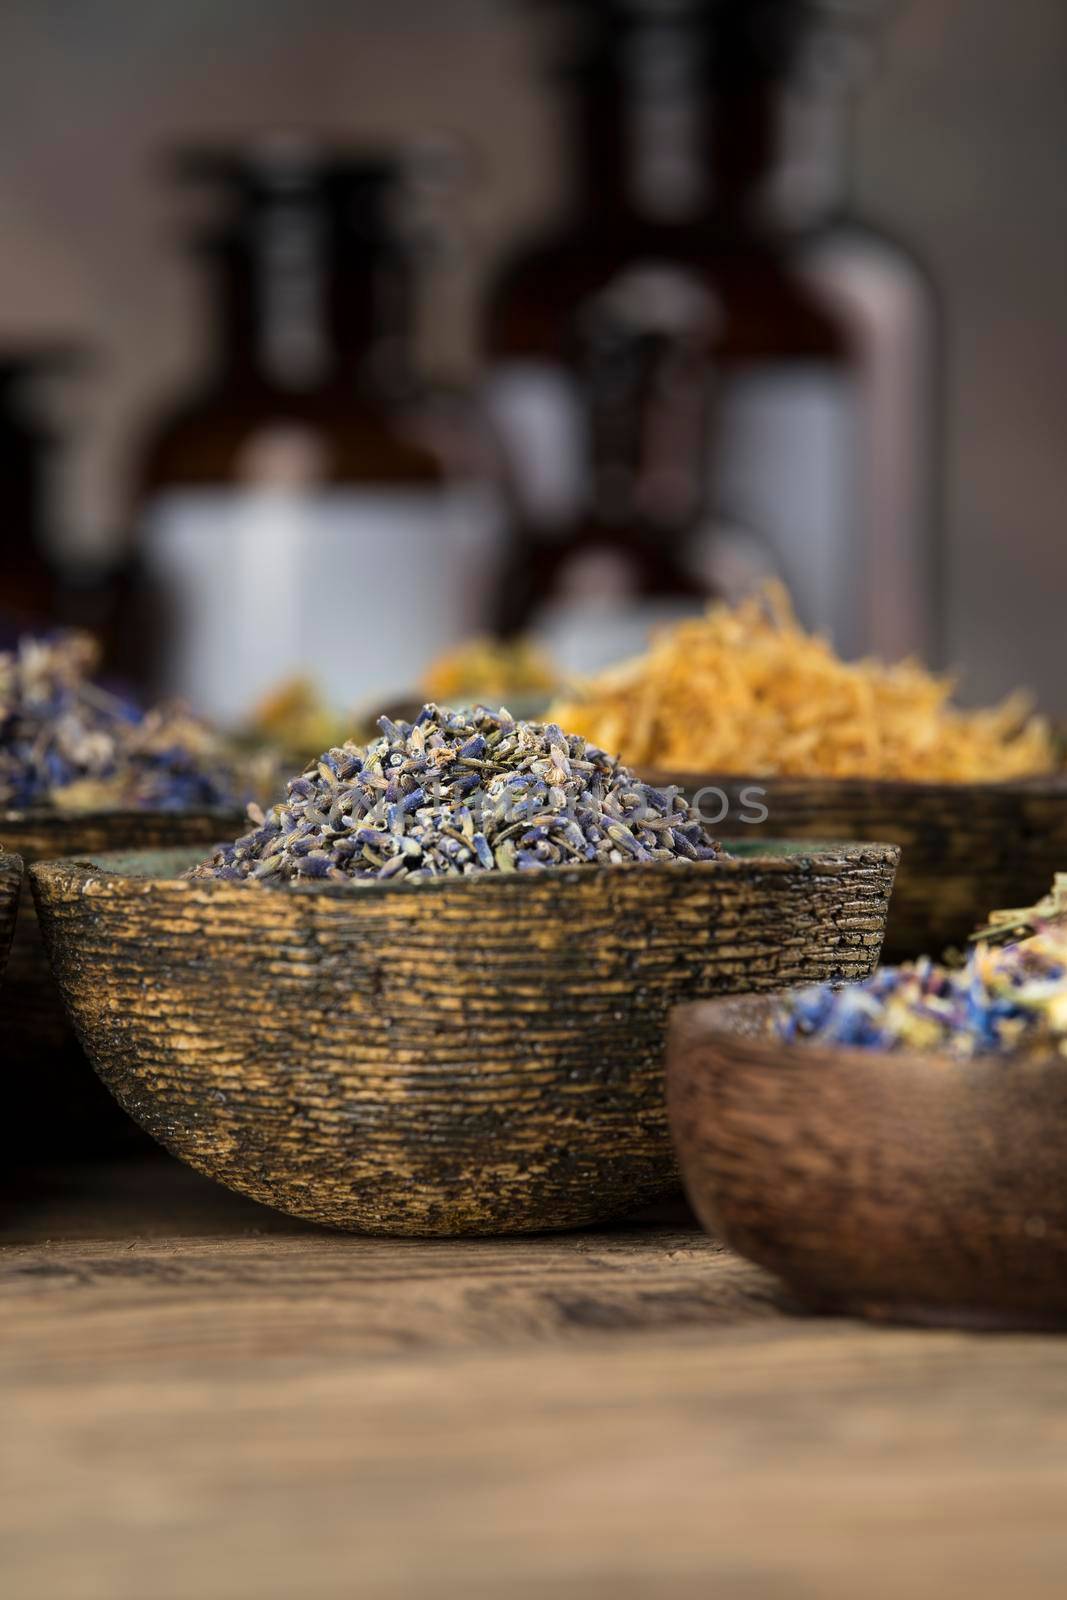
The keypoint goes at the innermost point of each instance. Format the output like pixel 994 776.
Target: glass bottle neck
pixel 654 142
pixel 297 311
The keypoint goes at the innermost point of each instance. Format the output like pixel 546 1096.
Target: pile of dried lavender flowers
pixel 68 744
pixel 460 792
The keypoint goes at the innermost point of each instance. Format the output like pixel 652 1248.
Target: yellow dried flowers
pixel 746 690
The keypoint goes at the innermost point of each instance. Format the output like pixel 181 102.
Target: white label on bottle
pixel 781 480
pixel 592 622
pixel 885 303
pixel 782 491
pixel 536 410
pixel 357 588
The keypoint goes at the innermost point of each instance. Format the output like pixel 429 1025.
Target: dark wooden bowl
pixel 10 884
pixel 55 1103
pixel 478 1055
pixel 908 1187
pixel 968 849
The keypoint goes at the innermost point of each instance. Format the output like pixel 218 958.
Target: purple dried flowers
pixel 460 792
pixel 68 744
pixel 1004 998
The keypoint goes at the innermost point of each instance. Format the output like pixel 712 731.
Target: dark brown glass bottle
pixel 708 369
pixel 29 580
pixel 298 512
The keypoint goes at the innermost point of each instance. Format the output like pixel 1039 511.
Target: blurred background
pixel 332 333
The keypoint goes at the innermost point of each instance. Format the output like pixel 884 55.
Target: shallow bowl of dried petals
pixel 906 1185
pixel 410 1012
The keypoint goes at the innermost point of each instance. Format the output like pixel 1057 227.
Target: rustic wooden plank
pixel 200 1271
pixel 220 1403
pixel 814 1461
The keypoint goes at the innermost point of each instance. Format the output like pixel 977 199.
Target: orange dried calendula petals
pixel 746 689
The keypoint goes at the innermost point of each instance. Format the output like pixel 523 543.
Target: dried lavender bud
pixel 67 743
pixel 459 792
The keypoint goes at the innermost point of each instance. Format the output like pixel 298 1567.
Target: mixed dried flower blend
pixel 747 690
pixel 1005 997
pixel 67 744
pixel 459 792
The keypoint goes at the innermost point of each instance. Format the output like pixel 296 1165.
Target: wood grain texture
pixel 480 1055
pixel 967 849
pixel 204 1398
pixel 147 1260
pixel 10 890
pixel 903 1186
pixel 56 1105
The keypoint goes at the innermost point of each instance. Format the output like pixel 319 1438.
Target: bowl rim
pixel 769 855
pixel 1049 785
pixel 31 816
pixel 808 1054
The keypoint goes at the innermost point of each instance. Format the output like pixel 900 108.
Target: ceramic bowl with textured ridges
pixel 967 848
pixel 10 885
pixel 472 1055
pixel 54 1105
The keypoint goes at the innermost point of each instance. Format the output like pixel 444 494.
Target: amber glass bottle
pixel 29 442
pixel 296 515
pixel 708 369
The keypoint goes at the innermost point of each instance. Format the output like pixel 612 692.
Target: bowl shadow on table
pixel 898 1186
pixel 967 849
pixel 152 1196
pixel 55 1105
pixel 158 1196
pixel 479 1055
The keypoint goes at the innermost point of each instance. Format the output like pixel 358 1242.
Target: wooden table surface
pixel 202 1399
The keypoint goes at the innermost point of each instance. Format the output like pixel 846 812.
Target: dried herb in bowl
pixel 458 792
pixel 747 690
pixel 1006 997
pixel 68 744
